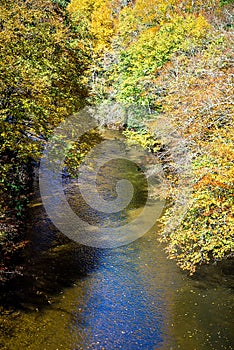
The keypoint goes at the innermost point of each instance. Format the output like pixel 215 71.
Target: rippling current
pixel 132 297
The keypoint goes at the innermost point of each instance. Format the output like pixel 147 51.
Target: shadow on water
pixel 54 262
pixel 47 272
pixel 73 297
pixel 217 274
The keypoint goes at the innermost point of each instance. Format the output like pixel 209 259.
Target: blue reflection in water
pixel 120 312
pixel 122 306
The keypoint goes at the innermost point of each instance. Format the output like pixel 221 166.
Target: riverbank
pixel 72 296
pixel 172 70
pixel 178 74
pixel 36 51
pixel 12 223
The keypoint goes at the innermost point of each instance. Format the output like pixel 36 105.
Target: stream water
pixel 132 297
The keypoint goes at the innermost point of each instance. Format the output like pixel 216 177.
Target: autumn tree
pixel 98 18
pixel 174 58
pixel 40 86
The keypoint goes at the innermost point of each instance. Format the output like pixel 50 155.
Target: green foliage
pixel 174 58
pixel 152 49
pixel 225 2
pixel 39 79
pixel 41 74
pixel 200 105
pixel 62 3
pixel 142 138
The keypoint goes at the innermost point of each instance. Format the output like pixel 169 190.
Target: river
pixel 75 297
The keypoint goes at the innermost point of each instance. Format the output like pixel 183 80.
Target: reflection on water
pixel 132 297
pixel 115 308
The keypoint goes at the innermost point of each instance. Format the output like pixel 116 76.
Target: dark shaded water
pixel 131 297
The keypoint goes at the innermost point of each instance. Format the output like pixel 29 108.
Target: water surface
pixel 132 297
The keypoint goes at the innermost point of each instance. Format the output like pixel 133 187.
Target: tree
pixel 98 19
pixel 40 86
pixel 174 57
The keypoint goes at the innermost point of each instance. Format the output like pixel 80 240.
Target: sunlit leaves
pixel 175 57
pixel 199 100
pixel 97 18
pixel 40 82
pixel 152 49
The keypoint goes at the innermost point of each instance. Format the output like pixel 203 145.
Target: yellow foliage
pixel 97 17
pixel 174 57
